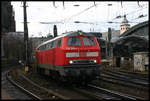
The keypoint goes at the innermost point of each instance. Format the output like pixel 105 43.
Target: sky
pixel 43 15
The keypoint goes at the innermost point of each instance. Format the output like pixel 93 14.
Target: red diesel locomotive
pixel 73 56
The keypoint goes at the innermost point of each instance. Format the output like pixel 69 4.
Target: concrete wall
pixel 141 61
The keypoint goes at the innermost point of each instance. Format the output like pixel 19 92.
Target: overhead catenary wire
pixel 139 17
pixel 120 16
pixel 79 13
pixel 86 10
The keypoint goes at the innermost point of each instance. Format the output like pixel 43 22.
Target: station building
pixel 127 44
pixel 135 39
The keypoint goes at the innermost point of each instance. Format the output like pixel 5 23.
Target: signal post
pixel 26 57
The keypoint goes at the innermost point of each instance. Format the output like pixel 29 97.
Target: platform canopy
pixel 125 47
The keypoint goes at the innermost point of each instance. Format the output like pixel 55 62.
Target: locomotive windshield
pixel 74 41
pixel 89 41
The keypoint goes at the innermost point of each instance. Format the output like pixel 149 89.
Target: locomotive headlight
pixel 71 62
pixel 95 61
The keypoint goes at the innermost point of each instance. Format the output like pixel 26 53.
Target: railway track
pixel 142 77
pixel 90 92
pixel 134 74
pixel 13 92
pixel 101 93
pixel 135 82
pixel 34 90
pixel 124 80
pixel 23 89
pixel 66 91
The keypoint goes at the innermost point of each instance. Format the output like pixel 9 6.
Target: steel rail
pixel 127 78
pixel 104 93
pixel 125 74
pixel 49 91
pixel 123 83
pixel 82 91
pixel 109 76
pixel 23 89
pixel 129 74
pixel 119 94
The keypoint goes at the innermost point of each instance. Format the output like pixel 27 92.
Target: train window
pixel 39 48
pixel 49 45
pixel 73 41
pixel 44 47
pixel 89 41
pixel 59 43
pixel 54 44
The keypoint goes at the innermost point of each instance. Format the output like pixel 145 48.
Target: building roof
pixel 133 40
pixel 134 28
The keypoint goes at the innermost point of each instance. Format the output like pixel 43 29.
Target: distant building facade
pixel 12 44
pixel 17 34
pixel 114 33
pixel 7 17
pixel 7 21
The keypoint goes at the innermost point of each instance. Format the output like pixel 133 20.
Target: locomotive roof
pixel 78 33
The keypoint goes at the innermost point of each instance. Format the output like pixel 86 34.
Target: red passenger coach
pixel 73 55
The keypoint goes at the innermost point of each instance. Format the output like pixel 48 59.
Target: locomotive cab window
pixel 73 41
pixel 89 41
